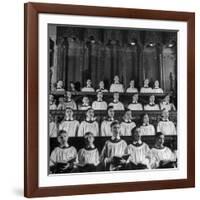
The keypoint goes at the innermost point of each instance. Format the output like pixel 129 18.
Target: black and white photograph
pixel 112 99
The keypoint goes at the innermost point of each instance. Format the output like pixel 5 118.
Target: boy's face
pixel 116 96
pixel 60 84
pixel 111 112
pixel 100 95
pixel 85 100
pixel 61 100
pixel 132 83
pixel 69 113
pixel 135 97
pixel 90 113
pixel 69 94
pixel 128 115
pixel 101 84
pixel 89 139
pixel 167 98
pixel 165 114
pixel 146 119
pixel 63 138
pixel 116 79
pixel 51 98
pixel 89 82
pixel 161 140
pixel 152 99
pixel 115 130
pixel 156 84
pixel 136 135
pixel 146 82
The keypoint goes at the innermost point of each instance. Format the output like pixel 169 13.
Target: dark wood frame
pixel 32 10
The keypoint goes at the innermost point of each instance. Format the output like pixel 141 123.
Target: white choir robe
pixel 146 90
pixel 84 107
pixel 101 90
pixel 158 155
pixel 71 104
pixel 62 155
pixel 157 90
pixel 53 130
pixel 126 127
pixel 87 89
pixel 167 106
pixel 113 148
pixel 132 90
pixel 151 107
pixel 135 106
pixel 99 105
pixel 105 128
pixel 52 107
pixel 88 156
pixel 88 126
pixel 116 87
pixel 117 105
pixel 147 129
pixel 61 106
pixel 70 126
pixel 166 127
pixel 139 154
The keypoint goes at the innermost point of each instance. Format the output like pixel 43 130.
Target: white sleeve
pixel 158 127
pixel 103 129
pixel 111 88
pixel 81 130
pixel 173 129
pixel 52 160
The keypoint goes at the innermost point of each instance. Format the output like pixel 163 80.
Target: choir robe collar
pixel 151 104
pixel 137 143
pixel 99 100
pixel 69 119
pixel 127 121
pixel 65 146
pixel 146 86
pixel 145 124
pixel 69 100
pixel 114 101
pixel 110 119
pixel 165 120
pixel 166 103
pixel 90 148
pixel 134 102
pixel 85 105
pixel 90 120
pixel 156 147
pixel 115 140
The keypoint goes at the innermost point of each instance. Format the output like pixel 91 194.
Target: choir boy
pixel 105 125
pixel 113 154
pixel 135 105
pixel 70 102
pixel 165 104
pixel 63 157
pixel 85 104
pixel 146 128
pixel 101 87
pixel 132 88
pixel 127 124
pixel 117 105
pixel 88 87
pixel 69 124
pixel 116 86
pixel 89 124
pixel 156 88
pixel 99 104
pixel 162 156
pixel 146 88
pixel 166 126
pixel 152 105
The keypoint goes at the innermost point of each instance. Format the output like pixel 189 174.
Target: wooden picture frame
pixel 31 102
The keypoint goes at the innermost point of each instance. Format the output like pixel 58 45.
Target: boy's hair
pixel 109 107
pixel 133 130
pixel 114 123
pixel 68 108
pixel 158 134
pixel 88 133
pixel 61 132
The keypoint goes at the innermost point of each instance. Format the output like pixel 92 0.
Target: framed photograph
pixel 109 99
